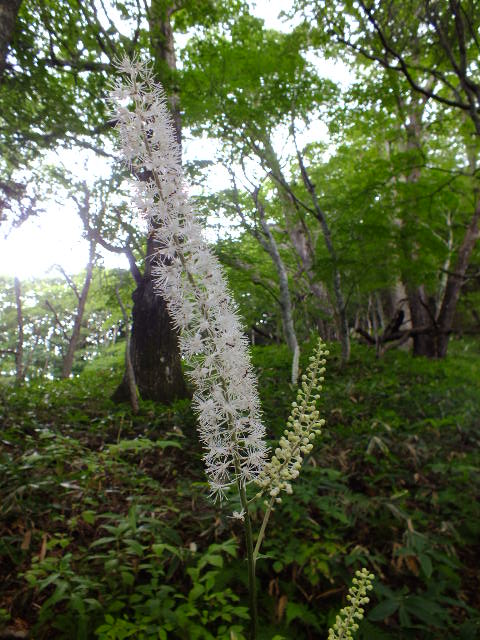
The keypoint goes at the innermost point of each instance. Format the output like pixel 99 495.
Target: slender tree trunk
pixel 29 358
pixel 8 16
pixel 20 374
pixel 162 45
pixel 285 299
pixel 300 241
pixel 422 312
pixel 340 306
pixel 67 363
pixel 455 281
pixel 421 316
pixel 455 278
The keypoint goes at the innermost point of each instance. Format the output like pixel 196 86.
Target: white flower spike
pixel 190 279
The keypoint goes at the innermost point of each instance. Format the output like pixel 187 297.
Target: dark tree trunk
pixel 8 16
pixel 434 342
pixel 424 344
pixel 455 282
pixel 154 348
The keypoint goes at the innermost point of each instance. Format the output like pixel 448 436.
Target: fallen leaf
pixel 43 548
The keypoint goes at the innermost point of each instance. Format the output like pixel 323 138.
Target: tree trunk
pixel 67 363
pixel 285 299
pixel 154 348
pixel 298 234
pixel 163 52
pixel 424 344
pixel 454 283
pixel 129 371
pixel 8 17
pixel 20 374
pixel 422 312
pixel 340 305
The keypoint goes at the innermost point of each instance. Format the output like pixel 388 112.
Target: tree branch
pixel 57 320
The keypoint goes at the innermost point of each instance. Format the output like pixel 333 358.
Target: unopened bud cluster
pixel 347 620
pixel 303 426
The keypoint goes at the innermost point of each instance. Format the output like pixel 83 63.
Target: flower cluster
pixel 190 279
pixel 345 624
pixel 302 427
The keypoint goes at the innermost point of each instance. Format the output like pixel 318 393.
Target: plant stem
pixel 261 533
pixel 250 560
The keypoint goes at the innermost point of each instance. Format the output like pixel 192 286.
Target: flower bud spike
pixel 303 426
pixel 345 624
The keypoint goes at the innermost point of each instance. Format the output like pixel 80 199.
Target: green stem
pixel 250 559
pixel 261 533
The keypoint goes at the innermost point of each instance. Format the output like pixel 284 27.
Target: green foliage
pixel 133 598
pixel 105 528
pixel 49 306
pixel 391 482
pixel 254 74
pixel 252 279
pixel 107 531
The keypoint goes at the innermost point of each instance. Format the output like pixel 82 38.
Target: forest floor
pixel 107 530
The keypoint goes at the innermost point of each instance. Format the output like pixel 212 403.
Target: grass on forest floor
pixel 107 530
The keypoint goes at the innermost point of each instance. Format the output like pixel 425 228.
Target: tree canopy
pixel 361 199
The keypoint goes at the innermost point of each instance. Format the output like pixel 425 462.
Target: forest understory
pixel 107 530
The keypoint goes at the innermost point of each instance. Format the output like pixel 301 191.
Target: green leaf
pixel 58 595
pixel 426 564
pixel 135 546
pixel 383 610
pixel 425 610
pixel 216 561
pixel 163 444
pixel 196 592
pixel 89 516
pixel 293 611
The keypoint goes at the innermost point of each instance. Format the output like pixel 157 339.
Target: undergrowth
pixel 107 531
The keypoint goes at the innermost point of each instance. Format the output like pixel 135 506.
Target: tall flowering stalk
pixel 190 279
pixel 346 623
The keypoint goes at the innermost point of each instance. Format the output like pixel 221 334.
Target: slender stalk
pixel 250 560
pixel 261 533
pixel 252 588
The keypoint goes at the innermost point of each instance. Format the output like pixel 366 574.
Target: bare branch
pixel 57 320
pixel 69 280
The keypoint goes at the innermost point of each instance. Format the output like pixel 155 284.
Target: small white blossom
pixel 190 278
pixel 238 515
